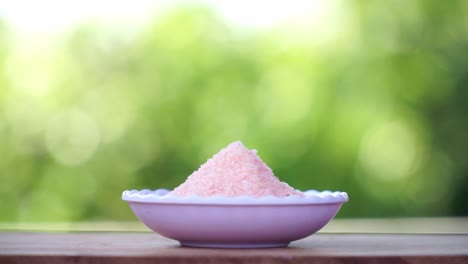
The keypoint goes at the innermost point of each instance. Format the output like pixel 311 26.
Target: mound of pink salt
pixel 234 171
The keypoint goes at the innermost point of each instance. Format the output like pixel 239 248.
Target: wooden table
pixel 145 247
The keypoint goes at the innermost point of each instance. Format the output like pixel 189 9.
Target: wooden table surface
pixel 145 247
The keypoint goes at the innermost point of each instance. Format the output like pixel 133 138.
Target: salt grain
pixel 234 171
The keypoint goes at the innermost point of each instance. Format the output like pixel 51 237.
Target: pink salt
pixel 234 171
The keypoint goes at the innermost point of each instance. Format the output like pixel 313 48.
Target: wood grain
pixel 112 247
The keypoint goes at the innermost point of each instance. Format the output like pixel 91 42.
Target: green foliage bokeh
pixel 376 108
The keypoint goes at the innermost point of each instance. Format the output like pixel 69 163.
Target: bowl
pixel 234 222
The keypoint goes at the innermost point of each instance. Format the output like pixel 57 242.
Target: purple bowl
pixel 234 222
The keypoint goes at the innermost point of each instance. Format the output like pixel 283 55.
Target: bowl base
pixel 201 244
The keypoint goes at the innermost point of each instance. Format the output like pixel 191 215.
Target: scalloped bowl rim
pixel 163 196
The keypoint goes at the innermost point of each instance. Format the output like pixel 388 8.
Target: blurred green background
pixel 361 96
